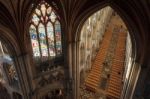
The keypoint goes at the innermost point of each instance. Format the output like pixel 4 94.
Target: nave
pixel 106 74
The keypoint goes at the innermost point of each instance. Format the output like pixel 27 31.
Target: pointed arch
pixel 45 34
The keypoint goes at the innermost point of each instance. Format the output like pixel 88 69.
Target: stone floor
pixel 85 94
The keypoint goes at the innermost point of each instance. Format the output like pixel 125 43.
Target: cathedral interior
pixel 74 49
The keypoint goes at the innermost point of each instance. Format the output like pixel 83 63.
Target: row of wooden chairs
pixel 92 81
pixel 115 82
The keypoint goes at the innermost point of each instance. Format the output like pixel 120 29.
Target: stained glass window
pixel 45 33
pixel 58 37
pixel 50 36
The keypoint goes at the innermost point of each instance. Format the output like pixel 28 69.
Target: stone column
pixel 24 75
pixel 70 80
pixel 74 68
pixel 130 85
pixel 77 70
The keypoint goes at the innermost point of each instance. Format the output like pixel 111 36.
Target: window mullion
pixel 47 40
pixel 54 39
pixel 39 41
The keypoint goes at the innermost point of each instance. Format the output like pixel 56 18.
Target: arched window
pixel 45 33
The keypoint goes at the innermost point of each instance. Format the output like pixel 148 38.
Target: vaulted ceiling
pixel 15 16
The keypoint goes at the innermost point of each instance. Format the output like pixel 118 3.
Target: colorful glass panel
pixel 50 34
pixel 53 16
pixel 42 37
pixel 58 37
pixel 38 12
pixel 43 9
pixel 49 10
pixel 34 41
pixel 35 19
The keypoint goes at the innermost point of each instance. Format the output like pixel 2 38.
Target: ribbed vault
pixel 16 14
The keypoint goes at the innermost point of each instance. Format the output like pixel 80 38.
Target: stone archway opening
pixel 9 81
pixel 111 66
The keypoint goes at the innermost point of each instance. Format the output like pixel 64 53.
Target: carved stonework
pixel 43 82
pixel 54 94
pixel 52 77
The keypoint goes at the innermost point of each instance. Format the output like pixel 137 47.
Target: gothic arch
pixel 82 54
pixel 13 52
pixel 9 40
pixel 45 33
pixel 127 19
pixel 133 29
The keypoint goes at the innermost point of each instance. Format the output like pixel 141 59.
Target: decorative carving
pixel 54 94
pixel 11 74
pixel 56 76
pixel 43 82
